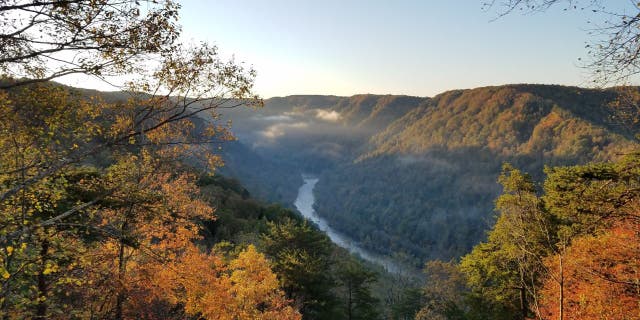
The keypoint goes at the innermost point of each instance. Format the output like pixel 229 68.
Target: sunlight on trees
pixel 571 253
pixel 98 202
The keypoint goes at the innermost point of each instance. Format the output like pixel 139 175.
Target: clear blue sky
pixel 344 47
pixel 420 47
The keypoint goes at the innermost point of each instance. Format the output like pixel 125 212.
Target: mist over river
pixel 304 203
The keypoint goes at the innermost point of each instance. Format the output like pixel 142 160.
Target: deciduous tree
pixel 358 300
pixel 44 40
pixel 601 277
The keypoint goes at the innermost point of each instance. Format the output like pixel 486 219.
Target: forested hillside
pixel 568 251
pixel 168 192
pixel 141 230
pixel 417 175
pixel 303 134
pixel 551 122
pixel 322 280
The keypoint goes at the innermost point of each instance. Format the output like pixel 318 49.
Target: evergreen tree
pixel 302 260
pixel 358 301
pixel 507 269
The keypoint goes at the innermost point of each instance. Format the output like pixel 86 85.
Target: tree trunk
pixel 561 307
pixel 523 297
pixel 43 288
pixel 121 274
pixel 523 304
pixel 349 302
pixel 5 305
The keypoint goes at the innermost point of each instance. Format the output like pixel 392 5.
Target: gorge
pixel 304 204
pixel 415 177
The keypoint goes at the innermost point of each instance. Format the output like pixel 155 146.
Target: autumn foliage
pixel 132 254
pixel 602 276
pixel 572 252
pixel 100 214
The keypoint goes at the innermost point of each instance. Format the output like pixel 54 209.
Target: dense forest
pixel 415 177
pixel 434 169
pixel 568 251
pixel 101 214
pixel 140 232
pixel 516 201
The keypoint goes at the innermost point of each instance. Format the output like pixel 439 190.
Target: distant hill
pixel 427 184
pixel 553 122
pixel 417 176
pixel 304 134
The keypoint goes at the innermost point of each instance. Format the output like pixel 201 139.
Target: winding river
pixel 304 203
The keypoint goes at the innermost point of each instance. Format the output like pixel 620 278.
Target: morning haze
pixel 320 160
pixel 417 48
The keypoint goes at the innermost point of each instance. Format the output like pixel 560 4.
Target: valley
pixel 156 163
pixel 304 204
pixel 414 178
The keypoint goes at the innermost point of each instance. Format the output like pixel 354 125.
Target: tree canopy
pixel 101 214
pixel 569 253
pixel 44 40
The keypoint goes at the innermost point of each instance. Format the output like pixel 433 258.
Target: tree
pixel 93 191
pixel 134 255
pixel 207 287
pixel 141 119
pixel 602 280
pixel 508 267
pixel 406 303
pixel 48 133
pixel 256 289
pixel 358 301
pixel 44 40
pixel 444 292
pixel 38 270
pixel 586 201
pixel 149 217
pixel 47 39
pixel 302 261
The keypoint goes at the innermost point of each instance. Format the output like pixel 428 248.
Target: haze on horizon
pixel 418 48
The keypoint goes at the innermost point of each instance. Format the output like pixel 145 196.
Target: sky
pixel 421 47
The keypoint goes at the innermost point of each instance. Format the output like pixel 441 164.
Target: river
pixel 304 203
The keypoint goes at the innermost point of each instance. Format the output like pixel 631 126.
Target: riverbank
pixel 304 203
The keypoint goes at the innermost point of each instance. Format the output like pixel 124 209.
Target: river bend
pixel 304 203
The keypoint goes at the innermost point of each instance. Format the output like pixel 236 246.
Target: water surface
pixel 304 203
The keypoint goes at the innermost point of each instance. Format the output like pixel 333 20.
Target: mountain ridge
pixel 536 108
pixel 404 176
pixel 417 175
